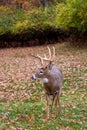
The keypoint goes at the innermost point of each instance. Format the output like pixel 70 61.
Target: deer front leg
pixel 53 102
pixel 47 99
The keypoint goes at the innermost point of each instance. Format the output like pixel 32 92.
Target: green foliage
pixel 60 1
pixel 73 14
pixel 66 14
pixel 42 18
pixel 18 21
pixel 5 20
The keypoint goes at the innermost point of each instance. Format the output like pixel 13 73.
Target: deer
pixel 51 77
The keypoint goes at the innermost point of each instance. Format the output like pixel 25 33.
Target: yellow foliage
pixel 19 26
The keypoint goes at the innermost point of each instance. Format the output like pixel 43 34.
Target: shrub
pixel 66 14
pixel 18 21
pixel 73 14
pixel 5 20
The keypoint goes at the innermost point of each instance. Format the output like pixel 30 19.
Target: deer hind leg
pixel 57 102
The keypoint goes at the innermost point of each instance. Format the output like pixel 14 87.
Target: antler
pixel 39 57
pixel 51 58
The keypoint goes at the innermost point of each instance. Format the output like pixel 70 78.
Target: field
pixel 22 101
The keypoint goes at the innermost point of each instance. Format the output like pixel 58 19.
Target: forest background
pixel 39 21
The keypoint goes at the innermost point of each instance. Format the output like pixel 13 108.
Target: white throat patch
pixel 45 80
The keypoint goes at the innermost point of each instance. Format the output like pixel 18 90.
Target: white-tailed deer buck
pixel 51 76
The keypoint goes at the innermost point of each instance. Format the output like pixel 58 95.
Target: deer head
pixel 43 71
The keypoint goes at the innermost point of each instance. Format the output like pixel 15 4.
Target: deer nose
pixel 33 77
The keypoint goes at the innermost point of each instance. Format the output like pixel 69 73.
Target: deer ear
pixel 50 65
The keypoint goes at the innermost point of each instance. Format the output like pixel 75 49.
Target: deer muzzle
pixel 34 77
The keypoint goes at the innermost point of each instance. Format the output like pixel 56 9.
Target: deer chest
pixel 45 80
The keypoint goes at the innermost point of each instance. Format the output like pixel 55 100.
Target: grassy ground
pixel 22 101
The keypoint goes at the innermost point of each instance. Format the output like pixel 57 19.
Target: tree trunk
pixel 4 2
pixel 44 2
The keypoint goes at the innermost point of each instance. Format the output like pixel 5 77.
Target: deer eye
pixel 41 72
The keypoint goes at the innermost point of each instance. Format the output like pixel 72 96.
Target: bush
pixel 66 15
pixel 73 14
pixel 19 21
pixel 5 20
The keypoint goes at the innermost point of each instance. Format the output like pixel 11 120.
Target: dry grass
pixel 22 102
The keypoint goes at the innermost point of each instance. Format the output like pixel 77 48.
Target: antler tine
pixel 39 57
pixel 54 53
pixel 45 56
pixel 51 58
pixel 49 53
